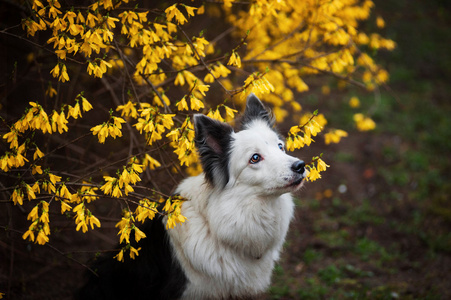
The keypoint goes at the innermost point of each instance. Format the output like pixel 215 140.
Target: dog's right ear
pixel 213 141
pixel 255 110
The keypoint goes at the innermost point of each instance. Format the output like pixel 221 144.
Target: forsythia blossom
pixel 364 123
pixel 166 82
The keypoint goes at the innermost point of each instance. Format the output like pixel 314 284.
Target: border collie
pixel 238 212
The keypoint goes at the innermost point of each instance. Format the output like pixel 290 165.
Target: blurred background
pixel 378 223
pixel 377 226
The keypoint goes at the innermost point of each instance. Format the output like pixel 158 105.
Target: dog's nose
pixel 298 167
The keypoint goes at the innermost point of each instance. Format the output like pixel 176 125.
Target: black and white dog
pixel 238 212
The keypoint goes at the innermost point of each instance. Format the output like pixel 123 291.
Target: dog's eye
pixel 281 147
pixel 255 158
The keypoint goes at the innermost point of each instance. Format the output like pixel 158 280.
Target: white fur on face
pixel 273 173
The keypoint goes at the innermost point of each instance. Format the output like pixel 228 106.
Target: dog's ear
pixel 213 141
pixel 255 110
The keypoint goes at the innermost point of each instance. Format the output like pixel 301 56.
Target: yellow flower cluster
pixel 256 83
pixel 149 119
pixel 182 140
pixel 87 193
pixel 217 70
pixel 35 118
pixel 354 102
pixel 311 37
pixel 146 210
pixel 172 208
pixel 197 93
pixel 310 128
pixel 72 33
pixel 18 194
pixel 126 225
pixel 314 171
pixel 173 12
pixel 39 217
pixel 128 177
pixel 39 230
pixel 84 217
pixel 153 123
pixel 216 114
pixel 156 55
pixel 111 128
pixel 334 136
pixel 364 123
pixel 235 60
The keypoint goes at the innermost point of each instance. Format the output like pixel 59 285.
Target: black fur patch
pixel 213 141
pixel 255 110
pixel 154 274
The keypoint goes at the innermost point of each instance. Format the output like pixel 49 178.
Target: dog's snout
pixel 298 167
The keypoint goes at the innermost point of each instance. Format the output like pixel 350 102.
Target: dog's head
pixel 254 157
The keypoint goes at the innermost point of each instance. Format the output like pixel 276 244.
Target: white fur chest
pixel 230 241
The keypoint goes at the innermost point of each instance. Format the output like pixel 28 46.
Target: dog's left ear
pixel 213 141
pixel 255 110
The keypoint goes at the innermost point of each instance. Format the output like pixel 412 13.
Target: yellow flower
pixel 307 139
pixel 334 136
pixel 17 196
pixel 37 154
pixel 51 92
pixel 313 128
pixel 235 60
pixel 151 162
pixel 190 10
pixel 54 179
pixel 354 102
pixel 42 238
pixel 179 79
pixel 85 104
pixel 146 210
pixel 128 109
pixel 92 220
pixel 108 186
pixel 34 213
pixel 230 112
pixel 139 234
pixel 116 192
pixel 182 105
pixel 196 104
pixel 321 165
pixel 30 192
pixel 55 71
pixel 101 131
pixel 36 188
pixel 65 207
pixel 134 252
pixel 172 11
pixel 380 22
pixel 202 88
pixel 120 256
pixel 364 123
pixel 209 78
pixel 28 234
pixel 313 174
